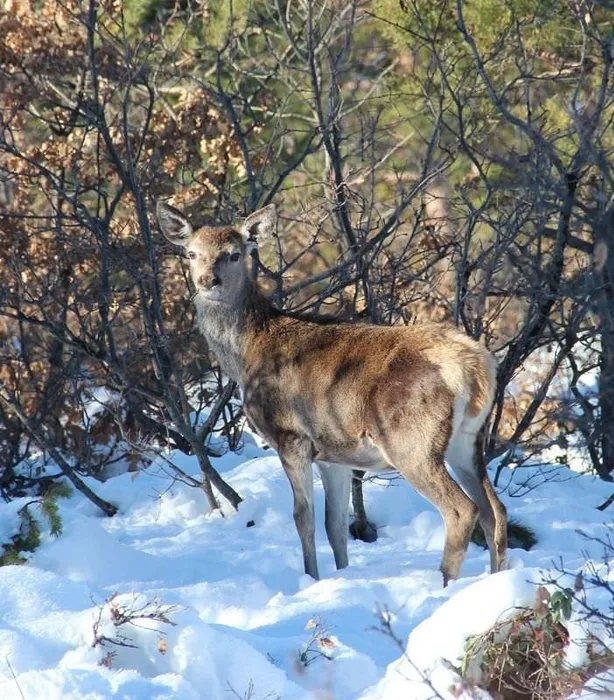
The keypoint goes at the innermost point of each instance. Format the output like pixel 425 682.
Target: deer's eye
pixel 191 254
pixel 235 256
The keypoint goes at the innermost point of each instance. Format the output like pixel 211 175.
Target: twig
pixel 8 663
pixel 608 502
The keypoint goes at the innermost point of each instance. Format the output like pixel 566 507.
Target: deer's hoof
pixel 363 530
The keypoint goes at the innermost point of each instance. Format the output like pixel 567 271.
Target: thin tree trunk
pixel 605 269
pixel 212 477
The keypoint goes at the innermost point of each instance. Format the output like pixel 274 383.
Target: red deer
pixel 348 395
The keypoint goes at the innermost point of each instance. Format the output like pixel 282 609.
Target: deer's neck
pixel 228 328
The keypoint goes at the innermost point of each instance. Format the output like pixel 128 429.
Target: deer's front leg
pixel 296 454
pixel 336 480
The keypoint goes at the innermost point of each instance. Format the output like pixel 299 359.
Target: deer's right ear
pixel 259 225
pixel 173 224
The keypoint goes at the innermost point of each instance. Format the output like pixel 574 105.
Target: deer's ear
pixel 173 224
pixel 259 226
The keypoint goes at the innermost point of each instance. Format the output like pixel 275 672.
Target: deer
pixel 347 395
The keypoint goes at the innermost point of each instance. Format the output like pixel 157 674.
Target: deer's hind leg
pixel 411 423
pixel 431 479
pixel 418 455
pixel 465 455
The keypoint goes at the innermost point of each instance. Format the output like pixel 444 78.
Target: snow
pixel 247 622
pixel 95 401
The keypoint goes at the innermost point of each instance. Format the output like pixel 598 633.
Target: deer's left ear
pixel 259 226
pixel 173 224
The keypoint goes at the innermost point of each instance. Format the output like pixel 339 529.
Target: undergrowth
pixel 28 537
pixel 115 618
pixel 319 645
pixel 524 657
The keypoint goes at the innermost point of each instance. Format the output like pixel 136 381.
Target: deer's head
pixel 219 256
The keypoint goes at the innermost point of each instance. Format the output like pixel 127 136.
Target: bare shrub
pixel 118 616
pixel 523 656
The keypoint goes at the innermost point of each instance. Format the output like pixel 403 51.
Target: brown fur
pixel 318 367
pixel 371 397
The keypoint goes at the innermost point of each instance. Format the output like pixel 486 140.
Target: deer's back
pixel 335 382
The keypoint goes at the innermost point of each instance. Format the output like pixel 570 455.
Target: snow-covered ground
pixel 247 623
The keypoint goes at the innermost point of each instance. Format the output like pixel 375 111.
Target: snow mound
pixel 246 621
pixel 436 645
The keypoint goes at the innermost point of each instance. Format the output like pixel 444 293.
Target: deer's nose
pixel 209 281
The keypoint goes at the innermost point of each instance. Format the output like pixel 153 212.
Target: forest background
pixel 430 160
